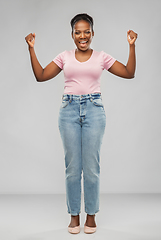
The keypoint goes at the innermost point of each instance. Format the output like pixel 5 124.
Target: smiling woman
pixel 82 36
pixel 82 31
pixel 82 117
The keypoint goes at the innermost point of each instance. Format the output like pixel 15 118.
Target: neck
pixel 89 50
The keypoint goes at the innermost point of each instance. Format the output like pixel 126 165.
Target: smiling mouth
pixel 83 43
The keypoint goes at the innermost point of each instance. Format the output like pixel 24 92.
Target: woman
pixel 82 118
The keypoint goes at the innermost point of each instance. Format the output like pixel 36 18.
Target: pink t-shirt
pixel 83 77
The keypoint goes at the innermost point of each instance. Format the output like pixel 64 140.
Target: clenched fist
pixel 30 39
pixel 131 37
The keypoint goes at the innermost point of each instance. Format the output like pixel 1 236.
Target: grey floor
pixel 45 217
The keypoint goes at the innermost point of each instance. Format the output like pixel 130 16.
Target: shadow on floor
pixel 100 234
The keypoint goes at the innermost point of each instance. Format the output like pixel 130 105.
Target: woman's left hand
pixel 131 37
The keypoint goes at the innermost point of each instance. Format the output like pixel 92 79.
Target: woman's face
pixel 82 35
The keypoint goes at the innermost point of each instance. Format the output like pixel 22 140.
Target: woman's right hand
pixel 30 39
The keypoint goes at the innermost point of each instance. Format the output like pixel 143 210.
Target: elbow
pixel 130 74
pixel 38 80
pixel 131 77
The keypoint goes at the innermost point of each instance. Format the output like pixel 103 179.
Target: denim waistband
pixel 83 96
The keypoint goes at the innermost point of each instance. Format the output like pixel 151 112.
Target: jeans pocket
pixel 64 103
pixel 97 102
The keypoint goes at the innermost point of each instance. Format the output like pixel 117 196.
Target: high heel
pixel 89 229
pixel 74 230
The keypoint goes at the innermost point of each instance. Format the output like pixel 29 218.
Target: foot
pixel 90 221
pixel 74 221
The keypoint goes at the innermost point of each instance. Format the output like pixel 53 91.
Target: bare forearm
pixel 131 64
pixel 37 68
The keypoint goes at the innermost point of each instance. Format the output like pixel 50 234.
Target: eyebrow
pixel 79 30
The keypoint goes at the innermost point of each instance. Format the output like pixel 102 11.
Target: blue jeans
pixel 82 122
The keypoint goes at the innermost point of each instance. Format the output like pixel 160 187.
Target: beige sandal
pixel 74 230
pixel 89 229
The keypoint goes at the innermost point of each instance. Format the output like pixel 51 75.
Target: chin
pixel 84 49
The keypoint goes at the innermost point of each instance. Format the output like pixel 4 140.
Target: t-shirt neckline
pixel 85 61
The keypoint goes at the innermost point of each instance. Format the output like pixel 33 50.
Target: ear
pixel 72 35
pixel 93 34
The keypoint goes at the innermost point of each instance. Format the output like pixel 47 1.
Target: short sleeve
pixel 108 60
pixel 59 59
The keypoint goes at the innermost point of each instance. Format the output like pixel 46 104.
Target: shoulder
pixel 100 54
pixel 103 53
pixel 106 57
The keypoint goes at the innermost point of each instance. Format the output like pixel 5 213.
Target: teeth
pixel 83 42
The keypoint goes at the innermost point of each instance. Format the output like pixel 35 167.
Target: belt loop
pixel 70 98
pixel 90 97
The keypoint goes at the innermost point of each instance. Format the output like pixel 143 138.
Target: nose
pixel 82 35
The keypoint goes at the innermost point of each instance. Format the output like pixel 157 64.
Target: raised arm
pixel 41 74
pixel 120 69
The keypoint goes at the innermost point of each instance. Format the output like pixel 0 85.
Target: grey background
pixel 31 150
